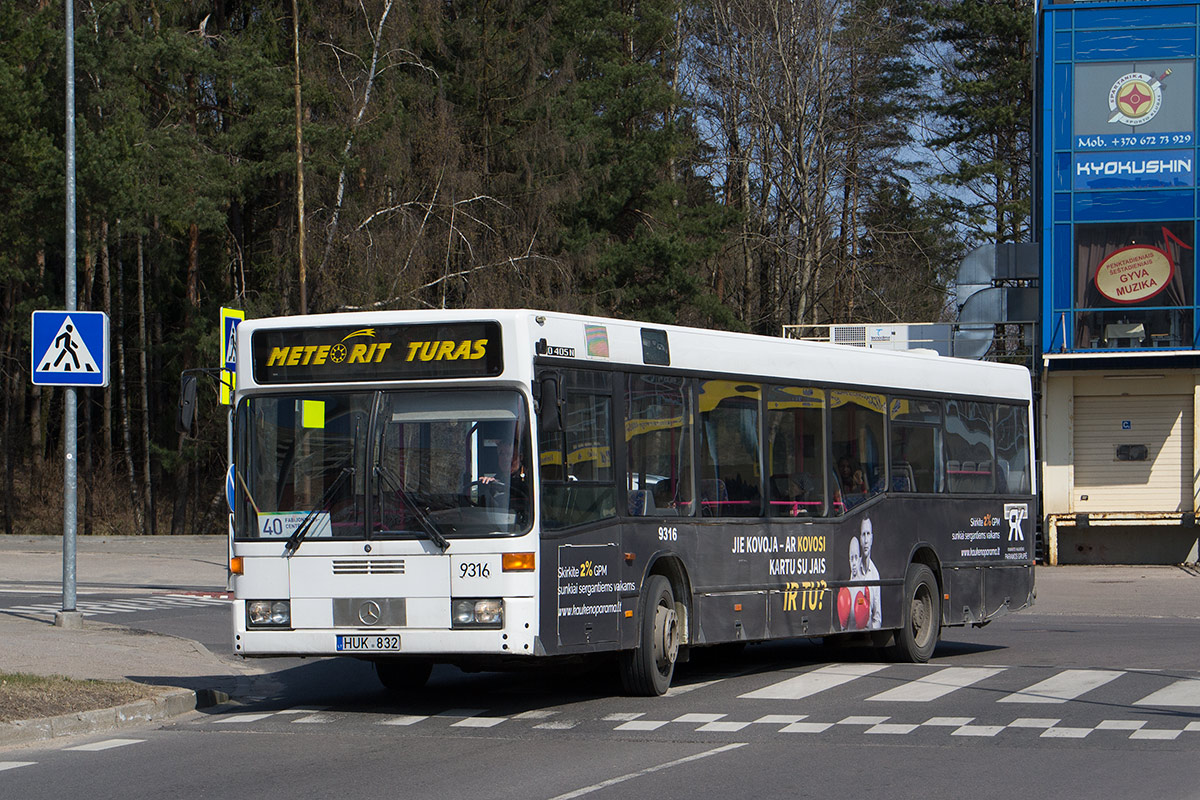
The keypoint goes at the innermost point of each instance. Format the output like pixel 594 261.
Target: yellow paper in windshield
pixel 312 413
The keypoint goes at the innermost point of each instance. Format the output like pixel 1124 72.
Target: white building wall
pixel 1098 507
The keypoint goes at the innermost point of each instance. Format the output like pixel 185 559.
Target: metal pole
pixel 69 616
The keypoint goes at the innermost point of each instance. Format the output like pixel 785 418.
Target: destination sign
pixel 377 353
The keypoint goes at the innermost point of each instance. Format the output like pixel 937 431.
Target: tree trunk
pixel 148 491
pixel 135 502
pixel 299 161
pixel 12 385
pixel 37 424
pixel 106 438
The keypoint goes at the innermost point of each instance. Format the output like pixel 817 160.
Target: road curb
pixel 166 705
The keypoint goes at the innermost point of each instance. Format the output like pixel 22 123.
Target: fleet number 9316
pixel 668 534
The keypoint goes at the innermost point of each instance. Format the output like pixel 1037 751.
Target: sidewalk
pixel 191 675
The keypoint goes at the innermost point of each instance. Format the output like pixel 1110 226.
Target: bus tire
pixel 646 671
pixel 403 674
pixel 921 617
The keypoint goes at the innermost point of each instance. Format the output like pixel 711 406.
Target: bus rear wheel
pixel 647 670
pixel 403 674
pixel 922 620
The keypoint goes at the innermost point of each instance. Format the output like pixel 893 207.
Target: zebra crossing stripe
pixel 1026 722
pixel 1160 735
pixel 196 599
pixel 404 719
pixel 806 727
pixel 1121 725
pixel 123 605
pixel 1066 733
pixel 479 722
pixel 892 728
pixel 1064 686
pixel 15 764
pixel 110 606
pixel 810 683
pixel 939 684
pixel 239 718
pixel 977 730
pixel 723 727
pixel 1185 693
pixel 642 725
pixel 107 744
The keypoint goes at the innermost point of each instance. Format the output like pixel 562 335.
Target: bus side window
pixel 915 436
pixel 858 445
pixel 577 475
pixel 796 456
pixel 730 475
pixel 969 447
pixel 1012 449
pixel 658 445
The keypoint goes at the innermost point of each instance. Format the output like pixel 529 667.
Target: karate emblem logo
pixel 1136 98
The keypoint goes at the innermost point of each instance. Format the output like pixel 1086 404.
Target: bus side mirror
pixel 549 407
pixel 185 417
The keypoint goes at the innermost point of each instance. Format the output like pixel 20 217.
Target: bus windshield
pixel 391 464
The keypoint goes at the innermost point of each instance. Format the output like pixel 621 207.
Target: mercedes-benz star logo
pixel 369 613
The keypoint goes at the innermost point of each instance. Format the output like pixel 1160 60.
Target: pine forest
pixel 743 164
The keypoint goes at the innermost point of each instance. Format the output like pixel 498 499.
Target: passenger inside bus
pixel 795 495
pixel 850 474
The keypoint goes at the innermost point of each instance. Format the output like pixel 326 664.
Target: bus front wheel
pixel 921 617
pixel 647 670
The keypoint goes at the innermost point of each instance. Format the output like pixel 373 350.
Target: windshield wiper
pixel 306 524
pixel 428 525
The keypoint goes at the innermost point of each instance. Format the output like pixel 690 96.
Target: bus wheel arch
pixel 920 615
pixel 925 554
pixel 663 620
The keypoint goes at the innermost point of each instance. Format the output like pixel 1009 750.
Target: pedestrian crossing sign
pixel 230 317
pixel 70 348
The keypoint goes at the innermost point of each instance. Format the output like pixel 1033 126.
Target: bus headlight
pixel 485 613
pixel 268 613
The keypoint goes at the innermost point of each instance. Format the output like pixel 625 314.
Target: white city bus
pixel 481 486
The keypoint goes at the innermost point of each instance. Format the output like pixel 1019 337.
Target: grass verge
pixel 24 696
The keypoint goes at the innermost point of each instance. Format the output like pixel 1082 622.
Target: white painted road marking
pixel 1185 693
pixel 1066 685
pixel 107 744
pixel 810 683
pixel 647 771
pixel 939 684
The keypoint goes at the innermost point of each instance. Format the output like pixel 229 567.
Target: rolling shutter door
pixel 1162 482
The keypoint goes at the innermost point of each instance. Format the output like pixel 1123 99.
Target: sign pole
pixel 69 617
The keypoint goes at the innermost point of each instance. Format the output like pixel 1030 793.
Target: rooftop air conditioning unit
pixel 881 337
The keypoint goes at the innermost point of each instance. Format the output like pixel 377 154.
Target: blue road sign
pixel 230 317
pixel 230 487
pixel 70 348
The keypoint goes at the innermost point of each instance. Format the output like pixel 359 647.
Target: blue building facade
pixel 1118 183
pixel 1116 210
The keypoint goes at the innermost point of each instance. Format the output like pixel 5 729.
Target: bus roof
pixel 591 340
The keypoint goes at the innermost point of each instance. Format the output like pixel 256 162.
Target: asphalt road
pixel 1040 704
